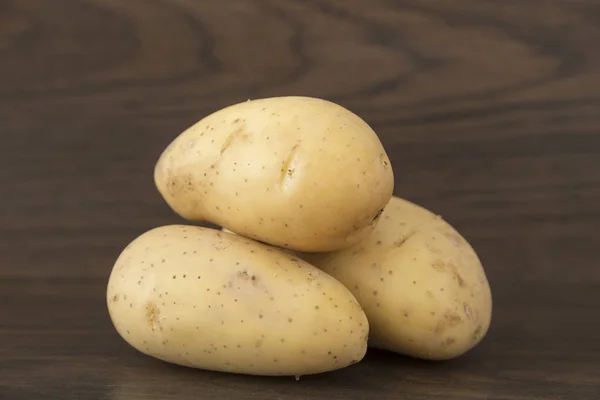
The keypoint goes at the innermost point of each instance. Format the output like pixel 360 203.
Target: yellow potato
pixel 198 297
pixel 280 170
pixel 420 283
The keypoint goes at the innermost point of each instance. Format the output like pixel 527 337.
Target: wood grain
pixel 490 112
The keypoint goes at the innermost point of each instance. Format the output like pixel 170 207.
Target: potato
pixel 420 283
pixel 201 298
pixel 280 170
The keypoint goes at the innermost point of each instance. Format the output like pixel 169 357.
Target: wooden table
pixel 489 110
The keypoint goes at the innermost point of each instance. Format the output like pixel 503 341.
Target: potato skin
pixel 420 283
pixel 202 298
pixel 280 170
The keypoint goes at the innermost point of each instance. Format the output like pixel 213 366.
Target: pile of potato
pixel 316 259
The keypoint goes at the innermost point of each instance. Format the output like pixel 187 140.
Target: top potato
pixel 297 172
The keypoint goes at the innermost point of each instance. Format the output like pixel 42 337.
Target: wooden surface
pixel 489 110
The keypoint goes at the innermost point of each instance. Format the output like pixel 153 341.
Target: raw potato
pixel 420 283
pixel 202 298
pixel 280 170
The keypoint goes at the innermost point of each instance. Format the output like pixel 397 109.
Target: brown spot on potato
pixel 152 314
pixel 439 265
pixel 384 160
pixel 448 320
pixel 244 276
pixel 477 332
pixel 459 279
pixel 433 249
pixel 289 165
pixel 449 341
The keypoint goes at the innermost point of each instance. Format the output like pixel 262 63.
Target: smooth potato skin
pixel 420 283
pixel 280 170
pixel 202 298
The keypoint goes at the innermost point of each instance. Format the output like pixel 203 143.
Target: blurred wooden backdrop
pixel 489 110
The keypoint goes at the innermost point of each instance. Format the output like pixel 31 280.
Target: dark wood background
pixel 489 110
